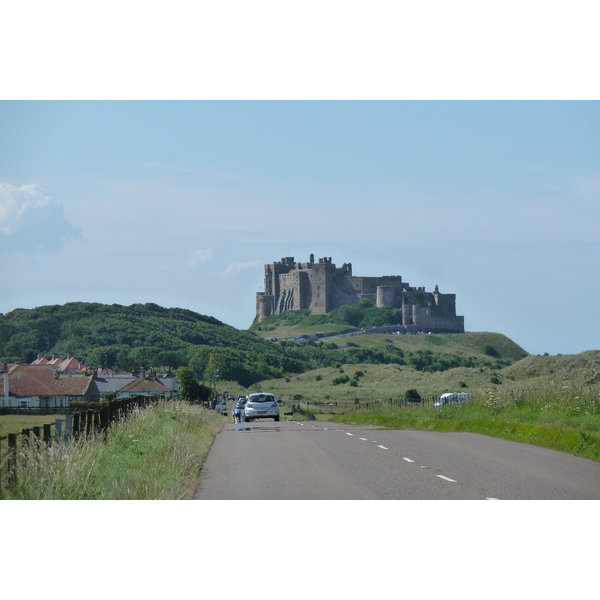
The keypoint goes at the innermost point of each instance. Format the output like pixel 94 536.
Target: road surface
pixel 303 460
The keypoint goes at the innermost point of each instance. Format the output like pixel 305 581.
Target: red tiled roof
pixel 74 386
pixel 32 380
pixel 40 380
pixel 70 363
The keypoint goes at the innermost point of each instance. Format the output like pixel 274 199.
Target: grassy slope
pixel 154 454
pixel 392 381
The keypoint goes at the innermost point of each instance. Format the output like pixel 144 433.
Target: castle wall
pixel 321 287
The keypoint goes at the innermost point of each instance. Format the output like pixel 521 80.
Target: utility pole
pixel 215 377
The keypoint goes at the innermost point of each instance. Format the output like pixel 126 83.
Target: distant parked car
pixel 261 406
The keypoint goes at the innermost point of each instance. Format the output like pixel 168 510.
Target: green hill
pixel 125 337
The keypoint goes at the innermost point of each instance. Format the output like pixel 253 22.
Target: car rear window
pixel 262 398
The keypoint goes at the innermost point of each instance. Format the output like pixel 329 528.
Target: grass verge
pixel 564 418
pixel 156 453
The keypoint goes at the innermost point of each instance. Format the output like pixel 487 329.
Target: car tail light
pixel 249 406
pixel 274 405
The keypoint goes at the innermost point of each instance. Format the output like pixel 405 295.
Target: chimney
pixel 6 385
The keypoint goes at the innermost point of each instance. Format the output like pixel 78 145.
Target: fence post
pixel 89 422
pixel 58 430
pixel 68 427
pixel 76 425
pixel 37 436
pixel 48 433
pixel 104 416
pixel 96 421
pixel 12 459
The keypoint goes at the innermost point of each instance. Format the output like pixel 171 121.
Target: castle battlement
pixel 321 287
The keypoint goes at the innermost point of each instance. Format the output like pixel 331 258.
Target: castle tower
pixel 264 306
pixel 386 295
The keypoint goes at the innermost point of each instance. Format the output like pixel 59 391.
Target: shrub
pixel 491 351
pixel 412 396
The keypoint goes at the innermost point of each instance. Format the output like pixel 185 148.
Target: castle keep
pixel 321 287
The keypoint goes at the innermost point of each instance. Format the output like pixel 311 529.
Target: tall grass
pixel 563 417
pixel 154 454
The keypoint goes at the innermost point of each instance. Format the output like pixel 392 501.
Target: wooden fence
pixel 427 402
pixel 311 408
pixel 73 427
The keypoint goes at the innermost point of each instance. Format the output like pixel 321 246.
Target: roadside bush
pixel 412 396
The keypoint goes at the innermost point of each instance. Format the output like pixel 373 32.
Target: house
pixel 112 382
pixel 37 386
pixel 124 385
pixel 147 386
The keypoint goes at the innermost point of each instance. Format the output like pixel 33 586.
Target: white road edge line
pixel 407 459
pixel 383 447
pixel 349 433
pixel 446 478
pixel 363 439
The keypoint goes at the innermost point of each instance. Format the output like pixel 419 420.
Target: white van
pixel 221 406
pixel 453 398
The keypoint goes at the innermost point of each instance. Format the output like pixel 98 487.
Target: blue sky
pixel 182 202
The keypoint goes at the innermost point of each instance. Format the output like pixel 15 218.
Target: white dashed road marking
pixel 409 460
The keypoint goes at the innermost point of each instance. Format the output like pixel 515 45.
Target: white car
pixel 261 406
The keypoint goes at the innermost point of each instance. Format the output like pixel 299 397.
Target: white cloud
pixel 236 267
pixel 200 256
pixel 31 219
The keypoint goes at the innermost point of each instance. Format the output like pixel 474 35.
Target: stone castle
pixel 321 287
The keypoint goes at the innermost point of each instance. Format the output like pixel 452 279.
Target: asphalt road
pixel 306 460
